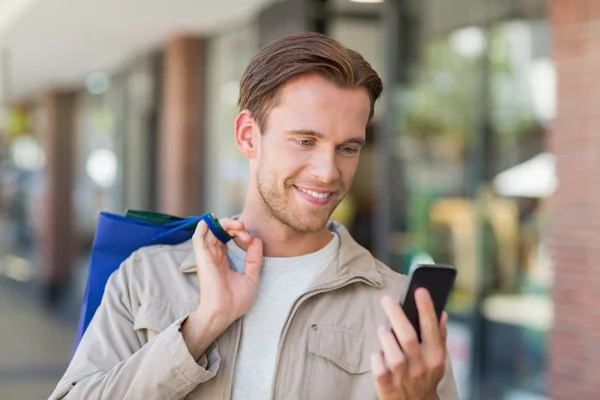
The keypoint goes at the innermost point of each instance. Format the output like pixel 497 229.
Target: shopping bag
pixel 116 238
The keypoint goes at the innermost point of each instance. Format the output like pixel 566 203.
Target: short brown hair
pixel 302 54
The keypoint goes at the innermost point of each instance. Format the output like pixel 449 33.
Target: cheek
pixel 287 159
pixel 280 164
pixel 347 168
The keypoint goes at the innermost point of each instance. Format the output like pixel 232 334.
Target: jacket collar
pixel 353 260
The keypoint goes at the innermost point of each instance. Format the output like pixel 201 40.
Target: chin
pixel 297 214
pixel 308 224
pixel 315 227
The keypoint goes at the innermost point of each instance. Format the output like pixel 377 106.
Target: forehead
pixel 316 103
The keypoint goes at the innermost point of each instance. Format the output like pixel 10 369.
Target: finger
pixel 199 240
pixel 254 259
pixel 430 332
pixel 211 240
pixel 200 234
pixel 235 228
pixel 204 238
pixel 231 224
pixel 243 235
pixel 444 327
pixel 383 378
pixel 393 355
pixel 404 331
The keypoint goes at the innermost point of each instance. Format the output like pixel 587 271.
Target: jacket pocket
pixel 155 315
pixel 339 364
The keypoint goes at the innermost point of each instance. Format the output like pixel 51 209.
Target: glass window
pixel 99 133
pixel 472 99
pixel 226 169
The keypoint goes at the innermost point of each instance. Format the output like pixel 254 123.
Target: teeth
pixel 315 194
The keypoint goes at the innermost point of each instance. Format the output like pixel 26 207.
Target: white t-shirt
pixel 282 281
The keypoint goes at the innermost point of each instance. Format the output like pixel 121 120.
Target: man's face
pixel 309 152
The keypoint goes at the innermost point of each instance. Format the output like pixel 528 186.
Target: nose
pixel 324 167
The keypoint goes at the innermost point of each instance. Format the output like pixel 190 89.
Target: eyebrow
pixel 319 135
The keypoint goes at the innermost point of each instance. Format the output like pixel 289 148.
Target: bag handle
pixel 212 223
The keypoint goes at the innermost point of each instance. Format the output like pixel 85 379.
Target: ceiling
pixel 57 43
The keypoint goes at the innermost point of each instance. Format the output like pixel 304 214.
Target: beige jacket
pixel 133 348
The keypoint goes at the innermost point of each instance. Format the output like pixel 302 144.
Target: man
pixel 293 307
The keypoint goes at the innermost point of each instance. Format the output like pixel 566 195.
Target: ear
pixel 247 134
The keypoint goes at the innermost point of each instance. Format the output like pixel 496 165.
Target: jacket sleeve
pixel 447 386
pixel 112 362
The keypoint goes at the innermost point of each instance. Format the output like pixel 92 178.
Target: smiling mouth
pixel 316 195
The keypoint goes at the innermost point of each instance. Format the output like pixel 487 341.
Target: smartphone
pixel 438 280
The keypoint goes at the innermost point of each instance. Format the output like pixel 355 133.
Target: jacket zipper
pixel 300 300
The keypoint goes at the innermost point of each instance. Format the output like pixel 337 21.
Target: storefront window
pixel 228 55
pixel 22 182
pixel 99 171
pixel 473 97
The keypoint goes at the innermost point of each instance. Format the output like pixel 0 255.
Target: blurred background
pixel 118 105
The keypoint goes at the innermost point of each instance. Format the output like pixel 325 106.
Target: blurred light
pixel 97 83
pixel 366 1
pixel 534 178
pixel 521 394
pixel 17 122
pixel 102 167
pixel 420 258
pixel 27 154
pixel 531 311
pixel 542 78
pixel 16 268
pixel 230 92
pixel 469 42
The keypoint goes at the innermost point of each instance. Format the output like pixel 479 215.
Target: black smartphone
pixel 438 280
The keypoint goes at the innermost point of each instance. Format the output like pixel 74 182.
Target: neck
pixel 278 239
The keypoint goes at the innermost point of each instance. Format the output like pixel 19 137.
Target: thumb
pixel 254 259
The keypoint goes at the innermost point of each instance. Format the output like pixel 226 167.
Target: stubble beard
pixel 272 191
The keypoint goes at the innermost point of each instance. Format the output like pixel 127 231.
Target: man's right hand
pixel 225 295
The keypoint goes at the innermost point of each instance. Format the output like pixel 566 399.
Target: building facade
pixel 462 164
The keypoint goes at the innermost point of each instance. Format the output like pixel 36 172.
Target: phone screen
pixel 438 280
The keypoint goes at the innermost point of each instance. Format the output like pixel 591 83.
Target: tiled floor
pixel 35 345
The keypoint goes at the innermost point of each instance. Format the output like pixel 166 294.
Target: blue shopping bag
pixel 117 237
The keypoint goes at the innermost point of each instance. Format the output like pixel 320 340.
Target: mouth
pixel 314 193
pixel 315 196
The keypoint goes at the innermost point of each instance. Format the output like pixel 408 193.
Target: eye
pixel 305 142
pixel 349 150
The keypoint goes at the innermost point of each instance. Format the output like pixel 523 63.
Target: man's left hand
pixel 406 369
